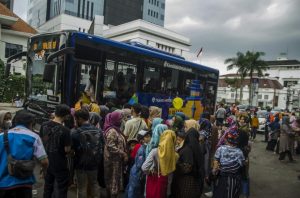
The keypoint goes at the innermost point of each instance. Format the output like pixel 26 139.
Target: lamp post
pixel 288 94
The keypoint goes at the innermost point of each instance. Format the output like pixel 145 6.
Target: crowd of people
pixel 133 152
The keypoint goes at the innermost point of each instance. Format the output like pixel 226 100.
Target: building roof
pixel 19 25
pixel 263 83
pixel 283 62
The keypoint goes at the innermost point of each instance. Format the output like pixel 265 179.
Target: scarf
pixel 191 124
pixel 155 122
pixel 178 124
pixel 113 120
pixel 192 153
pixel 166 153
pixel 158 130
pixel 155 112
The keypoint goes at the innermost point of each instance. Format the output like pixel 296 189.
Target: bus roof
pixel 135 48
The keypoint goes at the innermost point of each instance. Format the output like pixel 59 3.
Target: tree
pixel 247 64
pixel 233 82
pixel 10 86
pixel 238 62
pixel 254 65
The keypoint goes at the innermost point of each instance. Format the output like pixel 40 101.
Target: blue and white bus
pixel 62 66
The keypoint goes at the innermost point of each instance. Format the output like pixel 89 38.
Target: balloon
pixel 177 103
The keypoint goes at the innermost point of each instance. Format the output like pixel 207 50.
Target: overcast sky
pixel 224 27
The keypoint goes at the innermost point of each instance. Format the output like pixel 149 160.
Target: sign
pixel 177 67
pixel 46 43
pixel 39 56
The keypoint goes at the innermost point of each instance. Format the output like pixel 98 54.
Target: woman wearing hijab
pixel 188 177
pixel 114 154
pixel 188 124
pixel 273 134
pixel 158 130
pixel 155 112
pixel 178 124
pixel 155 122
pixel 227 167
pixel 232 125
pixel 159 164
pixel 287 139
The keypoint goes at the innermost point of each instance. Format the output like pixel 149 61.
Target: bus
pixel 62 67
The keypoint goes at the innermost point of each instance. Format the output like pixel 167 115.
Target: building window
pixel 70 1
pixel 78 9
pixel 157 3
pixel 151 12
pixel 148 11
pixel 162 17
pixel 79 29
pixel 92 10
pixel 83 30
pixel 232 95
pixel 266 97
pixel 87 10
pixel 259 97
pixel 163 5
pixel 12 49
pixel 157 15
pixel 83 8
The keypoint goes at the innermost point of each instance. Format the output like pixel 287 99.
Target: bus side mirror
pixel 7 70
pixel 49 72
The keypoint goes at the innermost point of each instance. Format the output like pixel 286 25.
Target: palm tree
pixel 254 65
pixel 233 82
pixel 238 62
pixel 247 64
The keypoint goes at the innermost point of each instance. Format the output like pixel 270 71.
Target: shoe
pixel 210 194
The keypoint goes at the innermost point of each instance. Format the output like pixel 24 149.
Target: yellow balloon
pixel 177 103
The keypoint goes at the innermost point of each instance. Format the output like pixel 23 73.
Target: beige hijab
pixel 191 124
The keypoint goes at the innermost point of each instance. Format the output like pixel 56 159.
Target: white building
pixel 287 71
pixel 149 34
pixel 14 33
pixel 270 92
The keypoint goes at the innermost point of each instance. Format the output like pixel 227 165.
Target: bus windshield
pixel 39 88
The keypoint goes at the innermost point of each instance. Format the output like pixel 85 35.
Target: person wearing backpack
pixel 57 141
pixel 18 148
pixel 88 147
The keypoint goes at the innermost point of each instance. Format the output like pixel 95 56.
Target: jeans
pixel 22 192
pixel 87 183
pixel 61 180
pixel 253 132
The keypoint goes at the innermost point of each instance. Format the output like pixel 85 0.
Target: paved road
pixel 270 177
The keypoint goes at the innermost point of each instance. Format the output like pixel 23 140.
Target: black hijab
pixel 192 153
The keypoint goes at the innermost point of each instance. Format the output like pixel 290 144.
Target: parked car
pixel 243 108
pixel 262 114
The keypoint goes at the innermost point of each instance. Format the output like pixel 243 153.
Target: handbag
pixel 17 168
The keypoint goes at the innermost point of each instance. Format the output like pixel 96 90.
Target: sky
pixel 224 27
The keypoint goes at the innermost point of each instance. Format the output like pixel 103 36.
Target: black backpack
pixel 91 147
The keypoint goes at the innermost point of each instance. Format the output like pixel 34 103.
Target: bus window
pixel 151 79
pixel 170 81
pixel 185 80
pixel 109 90
pixel 126 81
pixel 88 81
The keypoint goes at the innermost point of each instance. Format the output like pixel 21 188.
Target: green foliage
pixel 247 64
pixel 11 86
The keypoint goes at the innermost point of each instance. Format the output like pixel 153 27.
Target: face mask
pixel 7 124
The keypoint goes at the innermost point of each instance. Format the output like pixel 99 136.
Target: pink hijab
pixel 113 120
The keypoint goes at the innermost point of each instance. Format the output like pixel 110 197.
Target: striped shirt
pixel 230 158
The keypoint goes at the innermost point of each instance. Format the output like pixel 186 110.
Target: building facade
pixel 41 11
pixel 269 93
pixel 14 33
pixel 115 12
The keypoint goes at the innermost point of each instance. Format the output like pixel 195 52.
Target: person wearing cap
pixel 135 187
pixel 229 160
